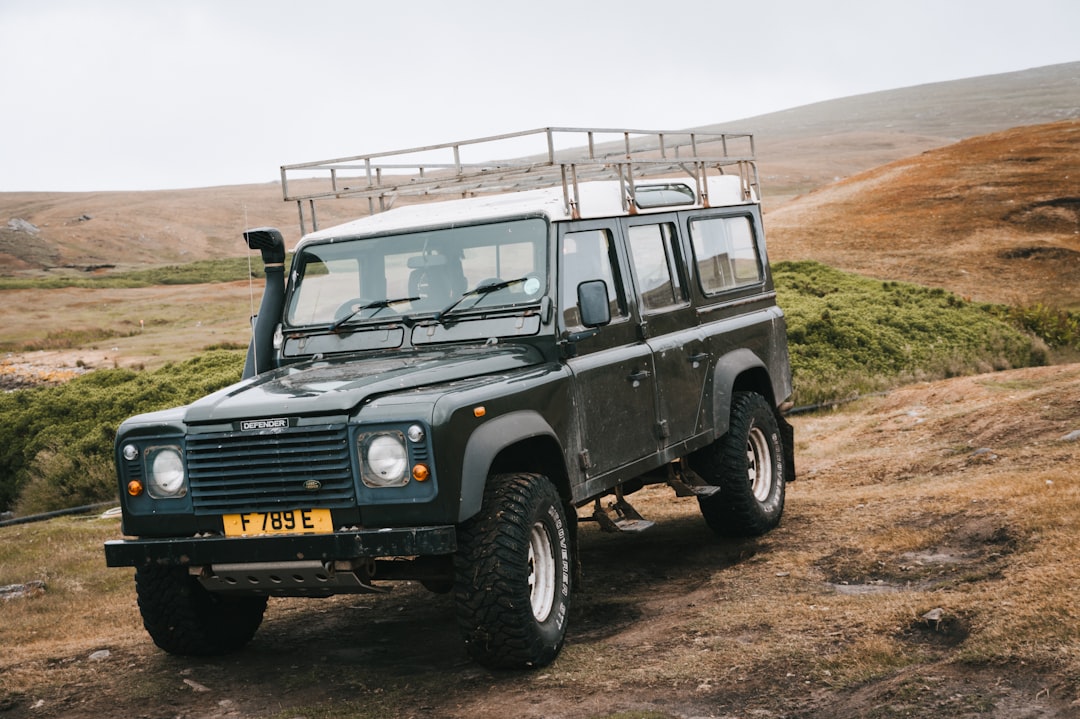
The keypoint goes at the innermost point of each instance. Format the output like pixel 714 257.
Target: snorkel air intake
pixel 271 244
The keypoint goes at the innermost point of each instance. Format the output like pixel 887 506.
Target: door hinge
pixel 584 461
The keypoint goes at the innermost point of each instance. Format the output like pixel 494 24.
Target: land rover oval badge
pixel 313 485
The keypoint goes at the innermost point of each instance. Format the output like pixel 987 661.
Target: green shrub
pixel 1058 328
pixel 56 442
pixel 850 335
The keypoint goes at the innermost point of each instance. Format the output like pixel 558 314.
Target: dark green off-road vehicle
pixel 438 388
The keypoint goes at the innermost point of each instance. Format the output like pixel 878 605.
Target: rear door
pixel 669 326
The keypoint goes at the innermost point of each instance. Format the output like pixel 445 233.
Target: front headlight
pixel 385 460
pixel 165 475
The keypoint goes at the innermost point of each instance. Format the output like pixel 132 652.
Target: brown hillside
pixel 995 218
pixel 808 146
pixel 84 230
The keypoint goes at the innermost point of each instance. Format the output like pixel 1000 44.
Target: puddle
pixel 875 588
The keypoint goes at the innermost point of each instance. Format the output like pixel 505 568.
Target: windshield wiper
pixel 481 290
pixel 377 305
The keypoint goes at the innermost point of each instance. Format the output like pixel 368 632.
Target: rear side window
pixel 725 253
pixel 652 252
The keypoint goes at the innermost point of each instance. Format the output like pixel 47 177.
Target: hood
pixel 339 386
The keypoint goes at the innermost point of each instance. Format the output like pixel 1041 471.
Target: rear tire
pixel 182 617
pixel 513 574
pixel 747 463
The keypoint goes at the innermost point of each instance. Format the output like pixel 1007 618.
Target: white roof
pixel 597 199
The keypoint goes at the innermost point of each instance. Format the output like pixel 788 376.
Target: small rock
pixel 934 615
pixel 20 225
pixel 19 591
pixel 196 686
pixel 1071 436
pixel 100 655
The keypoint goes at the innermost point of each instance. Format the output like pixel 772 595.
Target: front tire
pixel 747 463
pixel 182 617
pixel 513 574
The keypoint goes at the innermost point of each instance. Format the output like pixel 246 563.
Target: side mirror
pixel 593 303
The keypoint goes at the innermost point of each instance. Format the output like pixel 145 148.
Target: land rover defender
pixel 440 391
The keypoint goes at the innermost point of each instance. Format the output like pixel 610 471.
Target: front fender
pixel 484 446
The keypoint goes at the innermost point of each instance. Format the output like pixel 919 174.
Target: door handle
pixel 699 357
pixel 639 375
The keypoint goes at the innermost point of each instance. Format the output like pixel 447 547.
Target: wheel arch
pixel 743 371
pixel 514 442
pixel 738 371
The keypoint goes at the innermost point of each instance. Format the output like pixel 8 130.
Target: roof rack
pixel 545 157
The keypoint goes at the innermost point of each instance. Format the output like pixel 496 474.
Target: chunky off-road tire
pixel 184 618
pixel 747 463
pixel 513 573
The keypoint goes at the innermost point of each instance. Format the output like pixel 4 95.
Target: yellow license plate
pixel 293 521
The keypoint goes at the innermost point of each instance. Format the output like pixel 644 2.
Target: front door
pixel 614 377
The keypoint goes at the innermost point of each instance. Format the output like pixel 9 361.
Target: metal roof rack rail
pixel 545 157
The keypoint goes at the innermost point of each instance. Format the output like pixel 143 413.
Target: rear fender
pixel 726 374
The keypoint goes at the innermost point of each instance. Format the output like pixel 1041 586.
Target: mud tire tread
pixel 184 618
pixel 491 589
pixel 735 511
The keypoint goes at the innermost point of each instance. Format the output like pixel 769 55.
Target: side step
pixel 688 483
pixel 619 516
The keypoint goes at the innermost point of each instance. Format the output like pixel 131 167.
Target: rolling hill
pixel 799 149
pixel 995 218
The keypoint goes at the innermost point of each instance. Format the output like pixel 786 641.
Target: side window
pixel 652 252
pixel 589 255
pixel 725 253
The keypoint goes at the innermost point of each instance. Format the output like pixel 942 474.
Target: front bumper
pixel 198 551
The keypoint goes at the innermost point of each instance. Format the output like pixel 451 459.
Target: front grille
pixel 270 471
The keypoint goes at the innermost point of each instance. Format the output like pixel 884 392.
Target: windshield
pixel 382 278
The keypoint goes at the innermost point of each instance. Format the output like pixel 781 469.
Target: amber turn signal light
pixel 135 488
pixel 420 472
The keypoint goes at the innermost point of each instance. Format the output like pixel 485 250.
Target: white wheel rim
pixel 759 468
pixel 541 572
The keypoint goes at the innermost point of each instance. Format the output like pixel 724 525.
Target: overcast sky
pixel 149 94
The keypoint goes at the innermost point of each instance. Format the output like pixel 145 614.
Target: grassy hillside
pixel 995 218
